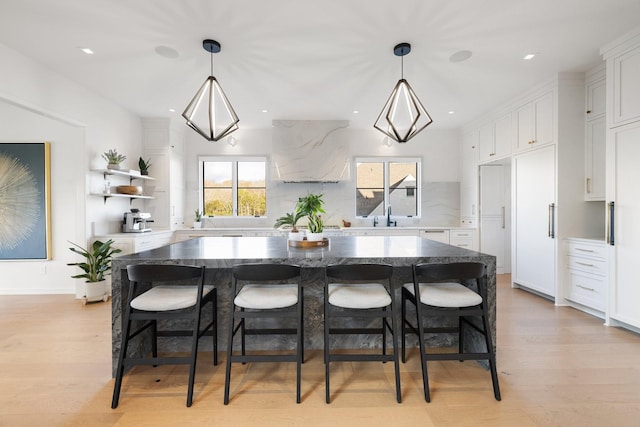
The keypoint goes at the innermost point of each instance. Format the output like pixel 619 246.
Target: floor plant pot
pixel 95 291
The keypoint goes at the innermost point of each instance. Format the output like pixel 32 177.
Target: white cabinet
pixel 438 235
pixel 534 123
pixel 623 175
pixel 493 235
pixel 595 149
pixel 534 247
pixel 381 231
pixel 586 270
pixel 163 145
pixel 469 180
pixel 495 139
pixel 595 135
pixel 463 239
pixel 138 242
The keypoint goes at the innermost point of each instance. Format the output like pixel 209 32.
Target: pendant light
pixel 403 115
pixel 210 113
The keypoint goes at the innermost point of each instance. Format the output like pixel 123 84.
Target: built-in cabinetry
pixel 186 234
pixel 469 180
pixel 112 178
pixel 586 270
pixel 595 134
pixel 495 139
pixel 493 214
pixel 131 243
pixel 163 145
pixel 534 122
pixel 622 176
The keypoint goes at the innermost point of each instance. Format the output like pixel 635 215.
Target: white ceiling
pixel 302 59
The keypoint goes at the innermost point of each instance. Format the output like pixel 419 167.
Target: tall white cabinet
pixel 622 177
pixel 163 144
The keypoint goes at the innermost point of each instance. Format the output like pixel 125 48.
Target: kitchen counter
pixel 218 254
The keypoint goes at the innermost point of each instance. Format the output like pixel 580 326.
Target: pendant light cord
pixel 211 54
pixel 402 67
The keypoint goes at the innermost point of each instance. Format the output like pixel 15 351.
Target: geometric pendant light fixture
pixel 403 115
pixel 210 113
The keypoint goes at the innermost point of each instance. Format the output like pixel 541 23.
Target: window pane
pixel 217 174
pixel 251 174
pixel 369 189
pixel 252 202
pixel 217 202
pixel 402 185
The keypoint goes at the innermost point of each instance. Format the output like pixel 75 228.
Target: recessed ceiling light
pixel 451 112
pixel 86 50
pixel 356 111
pixel 529 56
pixel 265 110
pixel 461 55
pixel 173 110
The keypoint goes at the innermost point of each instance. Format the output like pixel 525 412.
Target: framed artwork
pixel 25 201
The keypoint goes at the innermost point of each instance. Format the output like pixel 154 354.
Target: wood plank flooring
pixel 557 367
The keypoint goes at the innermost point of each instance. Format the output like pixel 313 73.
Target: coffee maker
pixel 136 221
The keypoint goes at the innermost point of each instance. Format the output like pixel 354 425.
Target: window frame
pixel 386 161
pixel 234 160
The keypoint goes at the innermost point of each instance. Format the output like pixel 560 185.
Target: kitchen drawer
pixel 466 243
pixel 587 289
pixel 587 265
pixel 587 249
pixel 437 235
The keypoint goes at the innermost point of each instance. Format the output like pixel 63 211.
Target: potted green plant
pixel 144 166
pixel 311 205
pixel 292 219
pixel 96 266
pixel 198 219
pixel 113 158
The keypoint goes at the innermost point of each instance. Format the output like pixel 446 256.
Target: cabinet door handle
pixel 503 217
pixel 588 185
pixel 586 288
pixel 585 264
pixel 610 224
pixel 552 221
pixel 584 250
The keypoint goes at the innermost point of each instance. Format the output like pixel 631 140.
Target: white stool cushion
pixel 358 295
pixel 446 294
pixel 264 296
pixel 168 297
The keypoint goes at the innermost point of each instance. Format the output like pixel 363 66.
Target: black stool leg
pixel 214 314
pixel 227 377
pixel 423 356
pixel 121 357
pixel 396 361
pixel 492 353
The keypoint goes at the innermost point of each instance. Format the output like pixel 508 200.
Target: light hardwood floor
pixel 557 367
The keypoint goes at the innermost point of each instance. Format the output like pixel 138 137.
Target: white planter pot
pixel 297 236
pixel 314 237
pixel 95 291
pixel 197 224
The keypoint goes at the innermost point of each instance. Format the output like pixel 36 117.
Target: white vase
pixel 297 236
pixel 314 237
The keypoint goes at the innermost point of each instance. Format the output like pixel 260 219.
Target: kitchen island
pixel 218 254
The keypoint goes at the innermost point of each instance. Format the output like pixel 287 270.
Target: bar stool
pixel 177 293
pixel 362 291
pixel 440 291
pixel 263 291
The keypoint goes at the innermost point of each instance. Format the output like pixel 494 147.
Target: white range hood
pixel 310 151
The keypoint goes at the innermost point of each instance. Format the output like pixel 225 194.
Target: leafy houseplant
pixel 113 158
pixel 311 205
pixel 144 166
pixel 96 265
pixel 198 221
pixel 292 219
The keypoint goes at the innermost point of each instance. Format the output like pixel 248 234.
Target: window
pixel 233 186
pixel 389 182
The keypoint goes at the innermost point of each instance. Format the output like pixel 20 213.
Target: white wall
pixel 440 152
pixel 38 105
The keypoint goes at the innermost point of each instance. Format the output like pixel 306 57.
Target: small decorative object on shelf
pixel 144 166
pixel 113 159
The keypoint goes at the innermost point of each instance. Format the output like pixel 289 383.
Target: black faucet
pixel 389 222
pixel 375 220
